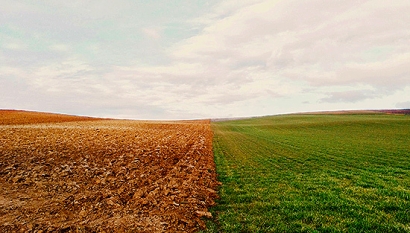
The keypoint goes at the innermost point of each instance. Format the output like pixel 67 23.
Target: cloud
pixel 157 60
pixel 14 46
pixel 405 105
pixel 60 47
pixel 152 33
pixel 322 43
pixel 349 96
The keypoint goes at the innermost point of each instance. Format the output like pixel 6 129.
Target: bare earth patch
pixel 105 175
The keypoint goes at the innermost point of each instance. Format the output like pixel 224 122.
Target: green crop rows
pixel 313 173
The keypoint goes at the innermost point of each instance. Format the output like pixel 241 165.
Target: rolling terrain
pixel 79 174
pixel 345 171
pixel 313 173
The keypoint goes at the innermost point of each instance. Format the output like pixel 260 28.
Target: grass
pixel 313 173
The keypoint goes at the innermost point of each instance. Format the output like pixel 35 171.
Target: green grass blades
pixel 313 173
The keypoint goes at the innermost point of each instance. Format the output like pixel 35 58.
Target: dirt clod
pixel 91 175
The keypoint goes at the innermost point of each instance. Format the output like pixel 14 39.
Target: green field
pixel 313 173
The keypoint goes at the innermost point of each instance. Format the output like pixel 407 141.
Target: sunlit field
pixel 62 173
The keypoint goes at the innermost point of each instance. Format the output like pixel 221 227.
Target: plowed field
pixel 104 175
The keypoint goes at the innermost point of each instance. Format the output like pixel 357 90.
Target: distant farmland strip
pixel 313 173
pixel 17 117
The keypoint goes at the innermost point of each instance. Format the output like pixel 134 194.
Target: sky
pixel 191 59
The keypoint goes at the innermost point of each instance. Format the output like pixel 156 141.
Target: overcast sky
pixel 190 59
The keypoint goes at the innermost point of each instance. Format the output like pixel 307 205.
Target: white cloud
pixel 60 47
pixel 270 55
pixel 265 49
pixel 14 46
pixel 349 96
pixel 404 105
pixel 152 33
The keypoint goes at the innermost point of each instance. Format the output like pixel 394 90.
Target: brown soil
pixel 16 117
pixel 105 175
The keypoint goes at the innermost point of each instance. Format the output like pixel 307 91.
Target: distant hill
pixel 16 117
pixel 386 111
pixel 396 111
